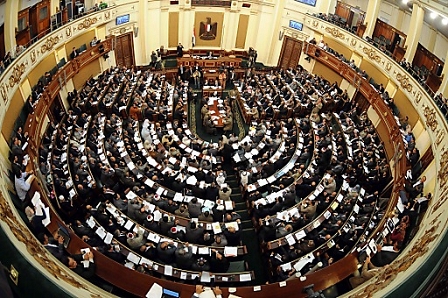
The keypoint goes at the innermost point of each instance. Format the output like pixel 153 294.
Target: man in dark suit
pixel 180 50
pixel 74 53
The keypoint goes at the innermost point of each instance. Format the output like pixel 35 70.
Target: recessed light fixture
pixel 433 15
pixel 444 22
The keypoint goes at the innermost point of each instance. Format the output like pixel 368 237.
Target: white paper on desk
pixel 178 197
pixel 216 228
pixel 101 232
pixel 230 251
pixel 290 239
pixel 327 214
pixel 47 220
pixel 205 276
pixel 270 179
pixel 153 237
pixel 90 222
pixel 262 182
pixel 301 263
pixel 286 267
pixel 356 209
pixel 194 249
pixel 245 277
pixel 232 224
pixel 133 258
pixel 157 215
pixel 168 270
pixel 183 275
pixel 208 293
pixel 203 250
pixel 129 225
pixel 131 195
pixel 160 191
pixel 156 291
pixel 111 208
pixel 108 238
pixel 36 198
pixel 228 205
pixel 300 234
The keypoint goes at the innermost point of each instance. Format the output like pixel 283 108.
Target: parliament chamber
pixel 205 148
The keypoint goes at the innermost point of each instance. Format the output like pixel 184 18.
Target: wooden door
pixel 290 53
pixel 124 50
pixel 42 17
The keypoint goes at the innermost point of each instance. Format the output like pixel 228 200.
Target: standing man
pixel 180 50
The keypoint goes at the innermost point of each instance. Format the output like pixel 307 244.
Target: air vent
pixel 246 5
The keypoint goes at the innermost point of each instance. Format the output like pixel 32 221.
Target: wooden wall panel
pixel 243 22
pixel 405 107
pixel 45 65
pixel 173 29
pixel 12 114
pixel 373 72
pixel 327 73
pixel 85 38
pixel 347 52
pixel 85 73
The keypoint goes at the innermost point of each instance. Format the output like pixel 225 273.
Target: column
pixel 415 30
pixel 141 29
pixel 278 17
pixel 444 85
pixel 373 9
pixel 11 21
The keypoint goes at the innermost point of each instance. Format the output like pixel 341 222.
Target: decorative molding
pixel 34 248
pixel 430 115
pixel 49 44
pixel 405 82
pixel 353 42
pixel 87 23
pixel 16 75
pixel 372 54
pixel 335 32
pixel 388 273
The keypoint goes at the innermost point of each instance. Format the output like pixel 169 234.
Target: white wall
pixel 27 3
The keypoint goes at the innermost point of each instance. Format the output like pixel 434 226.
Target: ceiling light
pixel 444 22
pixel 433 15
pixel 404 1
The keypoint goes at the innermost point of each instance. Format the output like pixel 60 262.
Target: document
pixel 156 291
pixel 108 238
pixel 230 251
pixel 168 270
pixel 47 220
pixel 133 258
pixel 245 277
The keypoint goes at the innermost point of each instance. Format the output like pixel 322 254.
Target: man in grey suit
pixel 184 256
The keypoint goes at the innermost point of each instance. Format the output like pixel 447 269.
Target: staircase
pixel 249 237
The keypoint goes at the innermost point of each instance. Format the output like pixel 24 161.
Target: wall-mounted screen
pixel 308 2
pixel 295 25
pixel 122 19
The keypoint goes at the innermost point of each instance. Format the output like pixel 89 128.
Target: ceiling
pixel 437 22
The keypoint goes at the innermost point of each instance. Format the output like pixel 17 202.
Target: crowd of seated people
pixel 120 156
pixel 92 184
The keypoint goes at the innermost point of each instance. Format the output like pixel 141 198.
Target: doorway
pixel 124 50
pixel 290 53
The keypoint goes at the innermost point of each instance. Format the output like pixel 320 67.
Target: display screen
pixel 308 2
pixel 295 25
pixel 122 19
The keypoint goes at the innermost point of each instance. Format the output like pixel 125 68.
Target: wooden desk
pixel 209 63
pixel 217 111
pixel 208 91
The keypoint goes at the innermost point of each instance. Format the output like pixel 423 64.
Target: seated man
pixel 82 264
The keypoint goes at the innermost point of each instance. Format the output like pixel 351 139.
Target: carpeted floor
pixel 195 122
pixel 249 237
